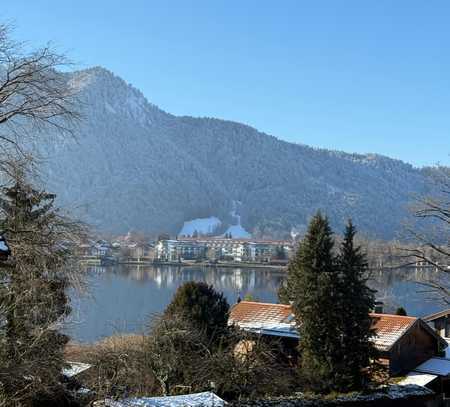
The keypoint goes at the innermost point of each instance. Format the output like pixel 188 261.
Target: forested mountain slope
pixel 133 166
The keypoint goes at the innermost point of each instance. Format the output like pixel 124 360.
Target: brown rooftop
pixel 388 328
pixel 260 312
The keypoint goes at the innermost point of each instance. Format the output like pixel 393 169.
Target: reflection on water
pixel 406 288
pixel 123 298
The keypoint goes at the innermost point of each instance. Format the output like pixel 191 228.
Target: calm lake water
pixel 124 298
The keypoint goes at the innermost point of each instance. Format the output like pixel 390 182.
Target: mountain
pixel 134 166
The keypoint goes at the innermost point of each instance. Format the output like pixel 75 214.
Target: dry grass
pixel 82 352
pixel 119 366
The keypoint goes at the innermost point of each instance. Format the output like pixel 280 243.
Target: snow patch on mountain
pixel 204 226
pixel 237 231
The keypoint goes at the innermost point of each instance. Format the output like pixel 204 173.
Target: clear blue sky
pixel 359 76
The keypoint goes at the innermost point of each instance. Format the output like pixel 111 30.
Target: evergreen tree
pixel 32 297
pixel 401 311
pixel 353 305
pixel 312 287
pixel 331 303
pixel 202 306
pixel 280 253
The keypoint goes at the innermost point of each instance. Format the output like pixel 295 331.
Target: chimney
pixel 378 307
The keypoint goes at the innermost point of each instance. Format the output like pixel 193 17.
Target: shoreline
pixel 243 265
pixel 211 265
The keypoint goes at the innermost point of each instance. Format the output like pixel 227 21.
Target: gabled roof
pixel 390 328
pixel 264 318
pixel 436 315
pixel 262 312
pixel 278 320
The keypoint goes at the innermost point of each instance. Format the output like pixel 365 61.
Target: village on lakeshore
pixel 204 250
pixel 228 251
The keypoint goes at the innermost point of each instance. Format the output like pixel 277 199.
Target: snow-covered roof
pixel 420 379
pixel 75 368
pixel 435 366
pixel 205 399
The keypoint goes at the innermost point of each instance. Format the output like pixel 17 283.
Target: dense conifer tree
pixel 32 294
pixel 401 311
pixel 354 304
pixel 202 306
pixel 312 287
pixel 331 303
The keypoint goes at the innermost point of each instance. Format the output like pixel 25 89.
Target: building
pixel 440 322
pixel 166 250
pixel 223 249
pixel 270 321
pixel 250 250
pixel 138 252
pixel 403 342
pixel 433 374
pixel 264 319
pixel 102 248
pixel 261 252
pixel 191 250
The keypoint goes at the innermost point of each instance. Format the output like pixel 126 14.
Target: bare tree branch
pixel 35 97
pixel 433 250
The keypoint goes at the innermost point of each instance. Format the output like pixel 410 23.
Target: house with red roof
pixel 403 342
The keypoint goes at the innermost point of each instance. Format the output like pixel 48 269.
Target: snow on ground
pixel 75 368
pixel 206 399
pixel 3 246
pixel 203 226
pixel 237 231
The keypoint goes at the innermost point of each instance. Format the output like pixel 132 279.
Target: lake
pixel 122 299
